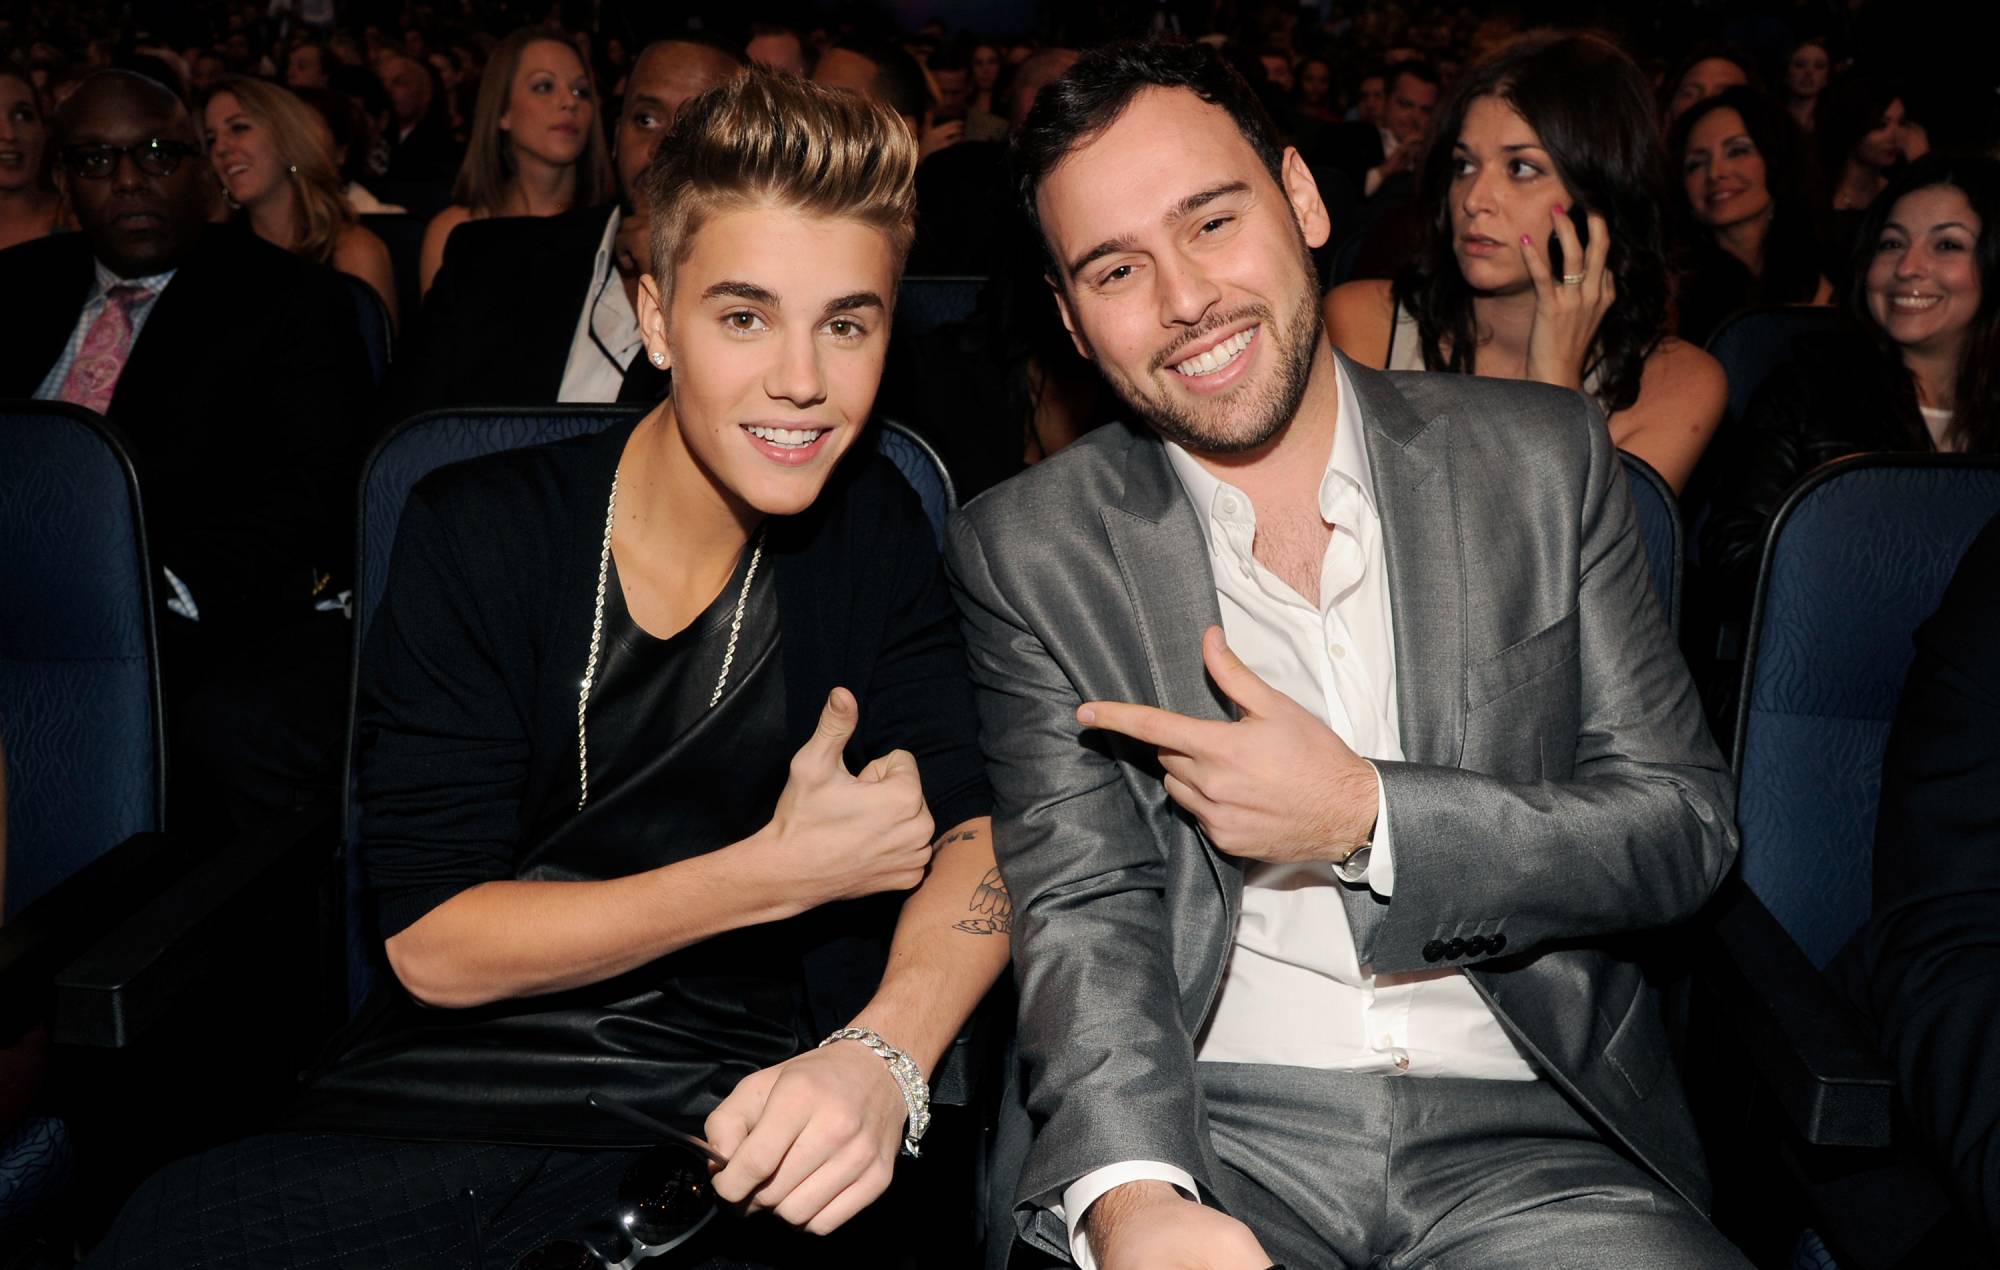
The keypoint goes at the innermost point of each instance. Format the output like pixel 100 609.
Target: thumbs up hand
pixel 842 836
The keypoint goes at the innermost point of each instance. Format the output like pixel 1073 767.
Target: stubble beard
pixel 1265 412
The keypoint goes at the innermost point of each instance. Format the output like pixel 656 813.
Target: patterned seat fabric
pixel 1857 559
pixel 1660 532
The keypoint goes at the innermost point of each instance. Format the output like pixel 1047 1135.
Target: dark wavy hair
pixel 1975 413
pixel 1091 95
pixel 1714 283
pixel 1593 110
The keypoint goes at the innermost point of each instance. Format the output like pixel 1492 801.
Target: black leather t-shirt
pixel 670 778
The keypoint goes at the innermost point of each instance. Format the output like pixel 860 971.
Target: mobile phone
pixel 1579 218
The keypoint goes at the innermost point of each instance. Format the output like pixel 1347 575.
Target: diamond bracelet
pixel 909 1078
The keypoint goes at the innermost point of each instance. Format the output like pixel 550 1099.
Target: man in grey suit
pixel 1278 999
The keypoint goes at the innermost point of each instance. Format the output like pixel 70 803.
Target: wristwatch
pixel 1353 867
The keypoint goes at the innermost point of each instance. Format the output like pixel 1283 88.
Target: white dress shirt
pixel 607 332
pixel 1294 991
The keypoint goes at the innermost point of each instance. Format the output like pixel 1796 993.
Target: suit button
pixel 1433 950
pixel 1476 945
pixel 1455 949
pixel 1495 943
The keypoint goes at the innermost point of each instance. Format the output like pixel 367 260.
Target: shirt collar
pixel 609 243
pixel 106 279
pixel 1347 472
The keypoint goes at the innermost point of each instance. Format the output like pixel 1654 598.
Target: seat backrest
pixel 429 441
pixel 925 304
pixel 1660 531
pixel 376 331
pixel 1753 343
pixel 1856 559
pixel 79 680
pixel 923 469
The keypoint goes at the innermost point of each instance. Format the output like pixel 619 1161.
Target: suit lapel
pixel 1163 561
pixel 1411 460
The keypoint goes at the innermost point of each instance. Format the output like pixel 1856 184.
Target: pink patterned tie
pixel 105 346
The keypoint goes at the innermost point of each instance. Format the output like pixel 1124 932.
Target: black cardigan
pixel 467 712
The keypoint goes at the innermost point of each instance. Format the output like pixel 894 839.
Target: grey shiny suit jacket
pixel 1560 788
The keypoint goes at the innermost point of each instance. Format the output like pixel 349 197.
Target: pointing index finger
pixel 1147 723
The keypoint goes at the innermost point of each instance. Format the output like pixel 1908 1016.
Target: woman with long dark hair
pixel 537 145
pixel 1921 375
pixel 1745 229
pixel 1542 255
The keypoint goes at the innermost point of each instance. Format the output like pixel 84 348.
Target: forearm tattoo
pixel 994 906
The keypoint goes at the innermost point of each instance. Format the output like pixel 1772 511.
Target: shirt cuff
pixel 1374 864
pixel 1079 1195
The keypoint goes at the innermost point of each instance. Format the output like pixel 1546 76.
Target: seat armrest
pixel 194 934
pixel 1806 1046
pixel 83 908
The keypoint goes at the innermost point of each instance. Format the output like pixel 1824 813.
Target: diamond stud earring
pixel 659 359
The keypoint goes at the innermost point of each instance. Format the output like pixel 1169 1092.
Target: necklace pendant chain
pixel 597 641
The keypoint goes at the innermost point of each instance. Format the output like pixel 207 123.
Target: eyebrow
pixel 1949 224
pixel 858 300
pixel 759 295
pixel 743 291
pixel 1180 211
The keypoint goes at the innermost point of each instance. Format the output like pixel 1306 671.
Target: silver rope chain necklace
pixel 597 641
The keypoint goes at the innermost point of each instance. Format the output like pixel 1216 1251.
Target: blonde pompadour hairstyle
pixel 770 138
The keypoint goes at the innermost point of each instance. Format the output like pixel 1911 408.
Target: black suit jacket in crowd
pixel 242 400
pixel 428 154
pixel 496 327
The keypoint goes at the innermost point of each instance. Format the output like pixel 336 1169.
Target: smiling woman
pixel 29 205
pixel 273 156
pixel 1925 376
pixel 1745 227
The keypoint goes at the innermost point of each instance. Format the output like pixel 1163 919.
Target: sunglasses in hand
pixel 664 1199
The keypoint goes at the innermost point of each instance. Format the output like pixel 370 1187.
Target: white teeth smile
pixel 1219 356
pixel 1914 302
pixel 789 438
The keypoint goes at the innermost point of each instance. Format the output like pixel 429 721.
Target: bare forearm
pixel 523 938
pixel 949 947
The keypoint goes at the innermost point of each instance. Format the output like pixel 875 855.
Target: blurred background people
pixel 1550 141
pixel 1922 374
pixel 1806 71
pixel 1745 226
pixel 537 146
pixel 273 156
pixel 1707 71
pixel 30 208
pixel 544 308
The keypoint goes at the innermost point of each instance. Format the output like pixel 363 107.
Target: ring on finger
pixel 1572 279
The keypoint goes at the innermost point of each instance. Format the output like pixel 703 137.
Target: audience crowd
pixel 256 238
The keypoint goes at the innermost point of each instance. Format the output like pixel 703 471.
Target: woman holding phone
pixel 1542 254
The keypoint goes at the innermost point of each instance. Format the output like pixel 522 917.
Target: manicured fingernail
pixel 1525 240
pixel 1560 209
pixel 1086 716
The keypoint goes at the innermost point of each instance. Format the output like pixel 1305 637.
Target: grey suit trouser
pixel 1348 1170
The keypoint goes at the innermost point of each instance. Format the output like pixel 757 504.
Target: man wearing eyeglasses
pixel 236 372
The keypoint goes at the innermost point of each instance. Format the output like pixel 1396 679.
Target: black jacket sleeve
pixel 920 692
pixel 443 718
